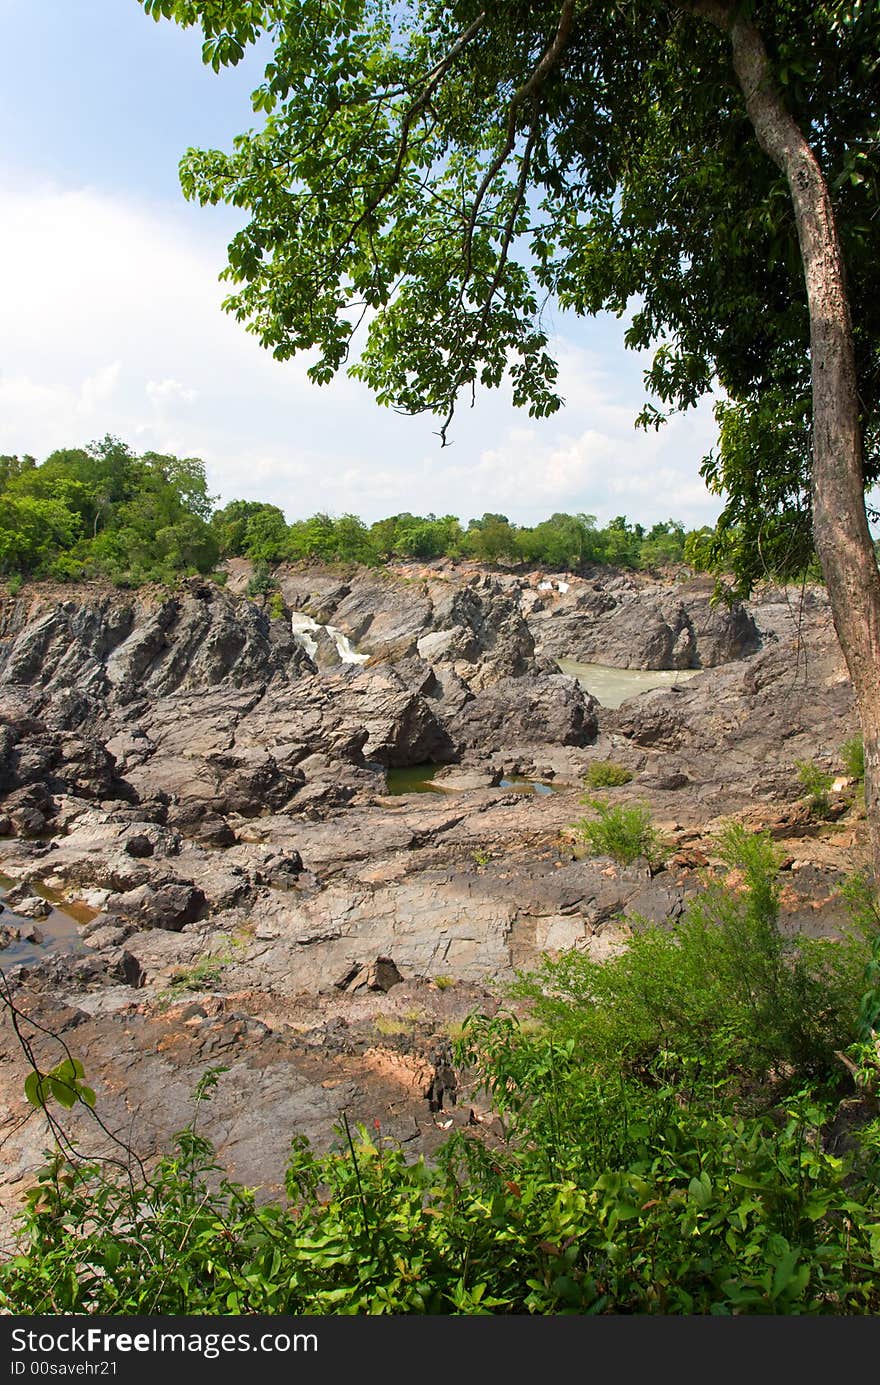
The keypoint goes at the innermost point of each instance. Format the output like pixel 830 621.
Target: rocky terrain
pixel 209 787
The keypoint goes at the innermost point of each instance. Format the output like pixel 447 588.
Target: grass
pixel 389 1026
pixel 204 974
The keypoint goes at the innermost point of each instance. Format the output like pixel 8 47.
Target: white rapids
pixel 303 628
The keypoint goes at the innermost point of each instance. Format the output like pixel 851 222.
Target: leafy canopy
pixel 439 170
pixel 102 510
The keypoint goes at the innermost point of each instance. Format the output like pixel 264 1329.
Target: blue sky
pixel 110 318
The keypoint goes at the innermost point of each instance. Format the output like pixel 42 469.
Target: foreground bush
pixel 708 1213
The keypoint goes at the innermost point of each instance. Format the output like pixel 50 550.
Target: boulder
pixel 139 846
pixel 379 975
pixel 170 906
pixel 551 709
pixel 22 900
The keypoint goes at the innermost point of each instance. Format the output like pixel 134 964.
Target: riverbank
pixel 184 766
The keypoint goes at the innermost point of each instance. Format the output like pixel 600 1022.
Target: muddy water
pixel 611 686
pixel 60 929
pixel 413 779
pixel 418 779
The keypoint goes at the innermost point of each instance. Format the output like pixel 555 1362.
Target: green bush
pixel 277 607
pixel 852 752
pixel 606 774
pixel 706 1213
pixel 817 783
pixel 623 833
pixel 725 997
pixel 261 583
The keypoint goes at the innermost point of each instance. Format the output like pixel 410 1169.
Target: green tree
pixel 312 538
pixel 446 165
pixel 491 538
pixel 353 541
pixel 621 542
pixel 663 544
pixel 563 541
pixel 266 535
pixel 11 467
pixel 32 530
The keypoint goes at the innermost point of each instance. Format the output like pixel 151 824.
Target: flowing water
pixel 303 628
pixel 614 685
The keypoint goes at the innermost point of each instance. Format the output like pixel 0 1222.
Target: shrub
pixel 852 752
pixel 817 783
pixel 623 833
pixel 606 774
pixel 262 583
pixel 277 607
pixel 723 997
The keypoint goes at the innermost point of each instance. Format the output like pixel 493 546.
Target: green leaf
pixel 33 1089
pixel 63 1093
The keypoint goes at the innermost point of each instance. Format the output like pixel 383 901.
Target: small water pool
pixel 527 786
pixel 60 929
pixel 419 779
pixel 412 779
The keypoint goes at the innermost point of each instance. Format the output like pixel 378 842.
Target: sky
pixel 110 317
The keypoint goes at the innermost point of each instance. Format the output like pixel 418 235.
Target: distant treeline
pixel 103 511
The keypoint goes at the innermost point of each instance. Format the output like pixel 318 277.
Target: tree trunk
pixel 840 524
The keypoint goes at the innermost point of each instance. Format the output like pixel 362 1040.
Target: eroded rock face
pixel 630 622
pixel 121 649
pixel 478 627
pixel 747 723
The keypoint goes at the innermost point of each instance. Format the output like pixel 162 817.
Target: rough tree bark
pixel 840 524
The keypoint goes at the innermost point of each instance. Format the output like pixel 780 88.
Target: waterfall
pixel 303 628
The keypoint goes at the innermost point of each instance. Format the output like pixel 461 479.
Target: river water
pixel 611 686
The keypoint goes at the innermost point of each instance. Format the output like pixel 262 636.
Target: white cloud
pixel 98 389
pixel 165 393
pixel 110 321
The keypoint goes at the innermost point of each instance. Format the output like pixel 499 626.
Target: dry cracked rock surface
pixel 213 796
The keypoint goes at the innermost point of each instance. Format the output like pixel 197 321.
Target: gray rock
pixel 169 906
pixel 130 970
pixel 632 622
pixel 139 846
pixel 22 900
pixel 547 710
pixel 379 975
